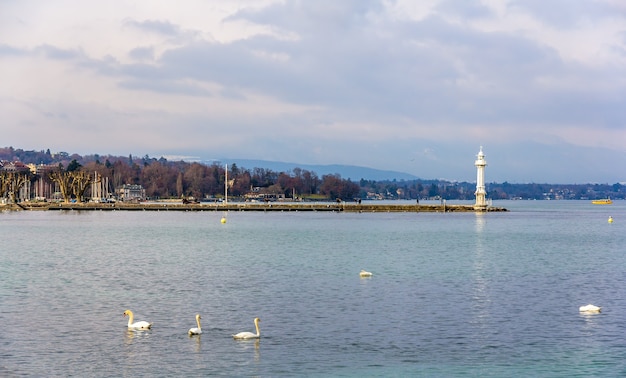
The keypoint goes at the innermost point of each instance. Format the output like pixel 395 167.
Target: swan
pixel 196 331
pixel 365 273
pixel 590 308
pixel 137 325
pixel 249 335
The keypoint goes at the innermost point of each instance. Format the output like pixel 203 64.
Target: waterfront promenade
pixel 246 206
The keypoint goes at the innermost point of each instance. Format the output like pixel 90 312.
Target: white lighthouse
pixel 480 163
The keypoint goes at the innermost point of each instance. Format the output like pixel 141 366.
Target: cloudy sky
pixel 411 86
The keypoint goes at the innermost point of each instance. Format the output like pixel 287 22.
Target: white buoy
pixel 590 309
pixel 364 273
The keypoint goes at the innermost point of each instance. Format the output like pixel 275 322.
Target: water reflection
pixel 257 350
pixel 480 288
pixel 135 334
pixel 198 342
pixel 254 344
pixel 480 221
pixel 591 320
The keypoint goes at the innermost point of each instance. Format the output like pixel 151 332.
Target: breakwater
pixel 244 206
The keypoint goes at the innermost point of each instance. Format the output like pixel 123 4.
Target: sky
pixel 403 85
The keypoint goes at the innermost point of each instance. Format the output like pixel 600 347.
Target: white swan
pixel 590 308
pixel 365 273
pixel 137 325
pixel 196 331
pixel 249 335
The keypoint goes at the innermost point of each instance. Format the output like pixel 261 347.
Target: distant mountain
pixel 351 172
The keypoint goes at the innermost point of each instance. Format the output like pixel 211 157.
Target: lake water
pixel 454 294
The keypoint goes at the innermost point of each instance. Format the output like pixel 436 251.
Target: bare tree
pixel 64 181
pixel 4 185
pixel 73 183
pixel 12 182
pixel 80 182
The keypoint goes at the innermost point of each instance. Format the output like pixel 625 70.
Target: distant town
pixel 63 177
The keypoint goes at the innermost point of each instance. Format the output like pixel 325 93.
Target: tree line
pixel 160 178
pixel 73 174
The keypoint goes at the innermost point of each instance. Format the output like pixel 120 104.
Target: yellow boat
pixel 605 201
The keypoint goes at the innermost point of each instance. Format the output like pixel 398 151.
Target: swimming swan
pixel 590 308
pixel 365 273
pixel 138 325
pixel 249 335
pixel 196 331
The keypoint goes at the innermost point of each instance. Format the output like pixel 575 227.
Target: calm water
pixel 452 294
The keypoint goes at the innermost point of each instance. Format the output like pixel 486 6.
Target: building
pixel 129 192
pixel 481 193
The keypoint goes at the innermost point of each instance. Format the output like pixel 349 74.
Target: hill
pixel 352 172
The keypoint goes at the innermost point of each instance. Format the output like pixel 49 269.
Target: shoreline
pixel 243 206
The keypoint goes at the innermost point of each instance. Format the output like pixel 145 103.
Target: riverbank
pixel 244 206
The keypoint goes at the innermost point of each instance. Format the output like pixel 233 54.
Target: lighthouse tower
pixel 480 163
